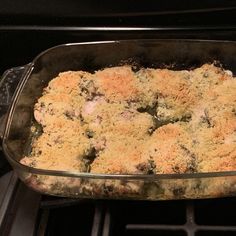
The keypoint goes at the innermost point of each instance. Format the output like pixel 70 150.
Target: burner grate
pixel 171 218
pixel 70 220
pixel 205 212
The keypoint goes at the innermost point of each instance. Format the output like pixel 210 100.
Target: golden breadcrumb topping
pixel 150 121
pixel 117 84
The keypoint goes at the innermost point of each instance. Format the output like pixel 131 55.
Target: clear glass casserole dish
pixel 91 56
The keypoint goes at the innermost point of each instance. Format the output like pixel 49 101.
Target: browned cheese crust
pixel 151 121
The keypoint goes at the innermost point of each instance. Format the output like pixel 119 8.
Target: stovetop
pixel 22 37
pixel 30 214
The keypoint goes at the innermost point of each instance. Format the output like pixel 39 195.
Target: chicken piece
pixel 174 95
pixel 216 146
pixel 223 97
pixel 52 106
pixel 62 146
pixel 213 127
pixel 172 149
pixel 222 158
pixel 61 98
pixel 122 155
pixel 102 117
pixel 117 84
pixel 207 77
pixel 218 102
pixel 67 82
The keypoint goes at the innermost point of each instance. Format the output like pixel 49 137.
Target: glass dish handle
pixel 8 84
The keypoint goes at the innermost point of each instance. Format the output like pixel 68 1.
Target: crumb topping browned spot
pixel 150 121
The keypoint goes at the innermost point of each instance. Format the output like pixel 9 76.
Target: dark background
pixel 29 26
pixel 103 12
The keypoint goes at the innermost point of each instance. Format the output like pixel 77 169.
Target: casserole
pixel 92 56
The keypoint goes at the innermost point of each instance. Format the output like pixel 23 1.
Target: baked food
pixel 150 121
pixel 123 121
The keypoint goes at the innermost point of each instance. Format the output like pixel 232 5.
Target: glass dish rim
pixel 77 174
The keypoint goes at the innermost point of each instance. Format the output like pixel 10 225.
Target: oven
pixel 26 29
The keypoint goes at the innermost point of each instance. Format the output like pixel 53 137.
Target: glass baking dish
pixel 91 56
